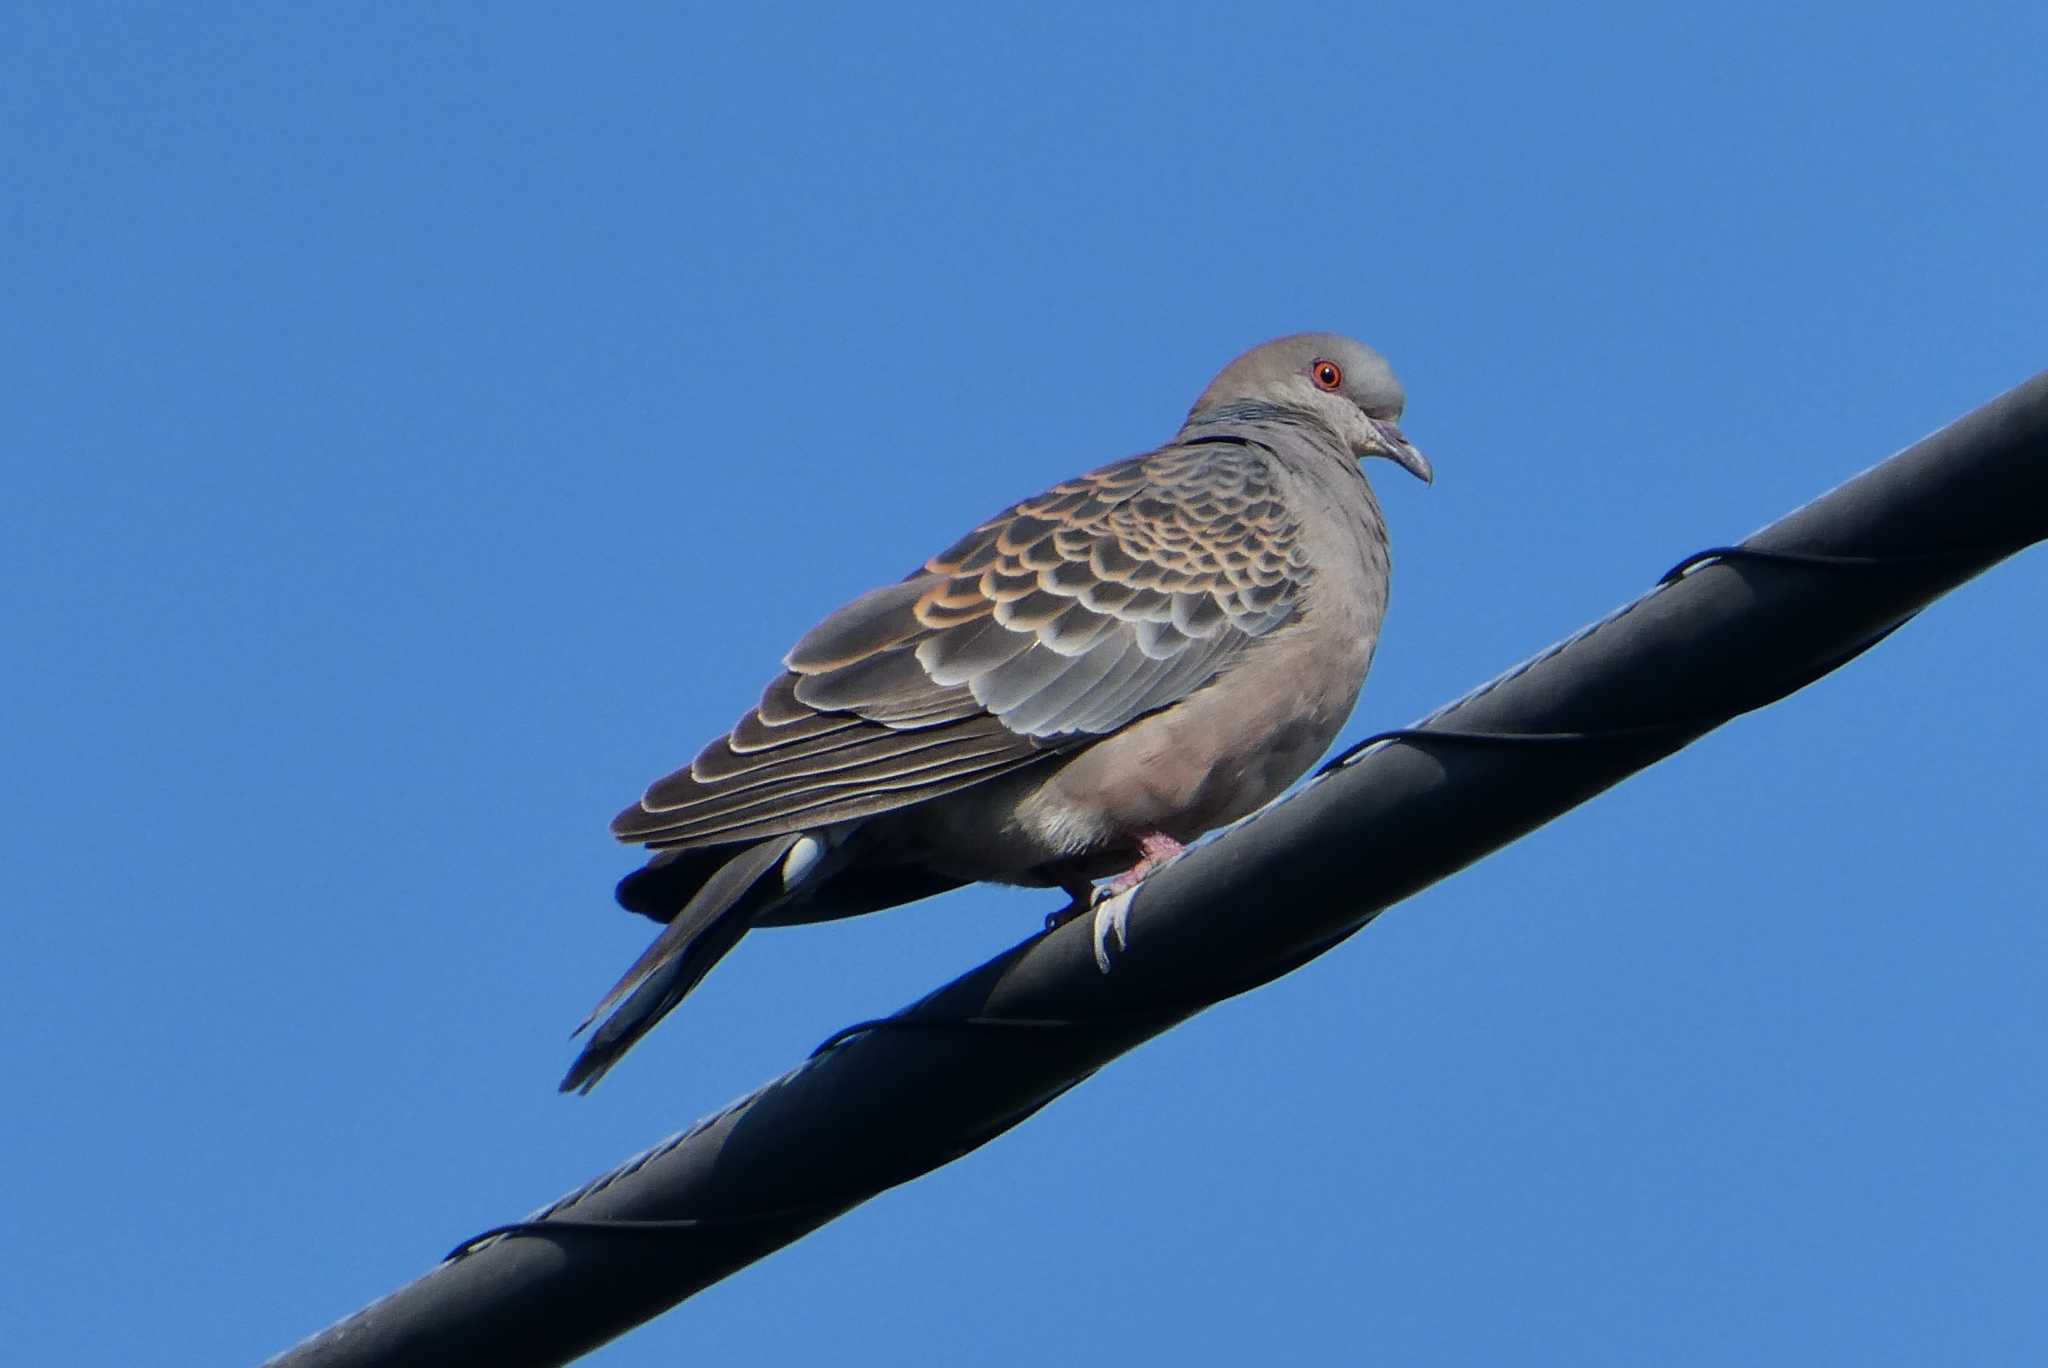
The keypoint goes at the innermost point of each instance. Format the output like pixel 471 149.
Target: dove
pixel 1073 691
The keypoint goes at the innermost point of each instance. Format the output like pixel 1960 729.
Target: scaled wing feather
pixel 1051 625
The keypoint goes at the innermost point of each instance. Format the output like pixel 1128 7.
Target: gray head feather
pixel 1342 384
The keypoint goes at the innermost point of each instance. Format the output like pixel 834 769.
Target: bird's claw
pixel 1113 918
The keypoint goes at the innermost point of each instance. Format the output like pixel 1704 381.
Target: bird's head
pixel 1345 385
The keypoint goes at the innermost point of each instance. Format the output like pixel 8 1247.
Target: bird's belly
pixel 1212 758
pixel 1186 771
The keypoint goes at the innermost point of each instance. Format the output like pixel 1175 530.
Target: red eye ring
pixel 1328 375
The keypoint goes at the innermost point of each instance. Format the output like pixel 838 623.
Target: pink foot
pixel 1155 848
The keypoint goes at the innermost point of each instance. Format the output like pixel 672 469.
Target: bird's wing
pixel 1059 621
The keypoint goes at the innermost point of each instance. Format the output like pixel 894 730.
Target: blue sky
pixel 425 425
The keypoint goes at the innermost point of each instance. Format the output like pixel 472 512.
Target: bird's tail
pixel 709 925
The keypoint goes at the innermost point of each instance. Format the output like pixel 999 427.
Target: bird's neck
pixel 1251 420
pixel 1270 426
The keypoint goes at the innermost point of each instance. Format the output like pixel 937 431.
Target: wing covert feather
pixel 1057 622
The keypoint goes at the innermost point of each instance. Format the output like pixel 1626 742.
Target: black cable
pixel 1679 726
pixel 693 1224
pixel 1123 1020
pixel 575 1225
pixel 1817 559
pixel 1265 897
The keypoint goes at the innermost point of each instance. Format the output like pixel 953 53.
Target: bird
pixel 1074 690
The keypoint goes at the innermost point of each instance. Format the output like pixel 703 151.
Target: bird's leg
pixel 1155 848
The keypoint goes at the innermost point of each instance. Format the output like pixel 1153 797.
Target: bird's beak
pixel 1400 450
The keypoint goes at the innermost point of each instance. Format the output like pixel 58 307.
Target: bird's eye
pixel 1328 375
